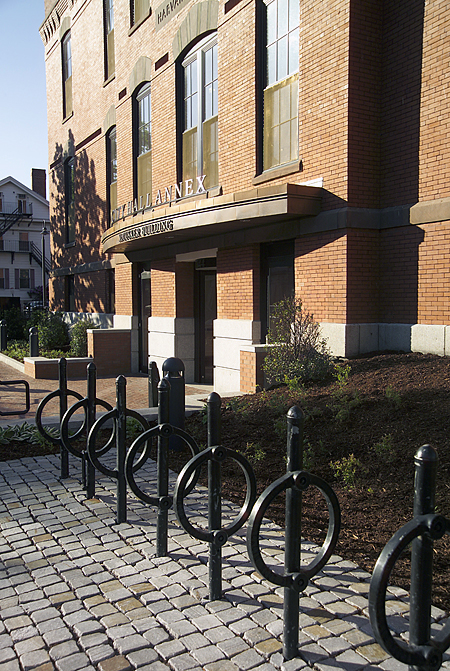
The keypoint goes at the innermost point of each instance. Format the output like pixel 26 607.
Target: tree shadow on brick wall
pixel 90 223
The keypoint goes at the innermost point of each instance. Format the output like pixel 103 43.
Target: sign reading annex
pixel 163 196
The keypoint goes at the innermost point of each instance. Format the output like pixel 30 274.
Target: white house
pixel 24 214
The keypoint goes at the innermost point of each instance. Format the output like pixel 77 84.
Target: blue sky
pixel 23 113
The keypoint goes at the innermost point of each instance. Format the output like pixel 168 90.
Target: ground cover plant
pixel 363 426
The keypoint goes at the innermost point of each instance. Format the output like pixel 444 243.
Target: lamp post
pixel 43 233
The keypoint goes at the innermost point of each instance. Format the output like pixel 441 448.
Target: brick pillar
pixel 238 323
pixel 171 326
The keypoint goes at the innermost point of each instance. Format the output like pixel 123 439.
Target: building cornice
pixel 195 218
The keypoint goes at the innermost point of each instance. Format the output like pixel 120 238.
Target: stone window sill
pixel 276 173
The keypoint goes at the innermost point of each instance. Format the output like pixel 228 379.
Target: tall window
pixel 67 75
pixel 281 85
pixel 69 185
pixel 200 153
pixel 24 278
pixel 4 278
pixel 143 146
pixel 69 293
pixel 23 241
pixel 109 39
pixel 111 157
pixel 139 10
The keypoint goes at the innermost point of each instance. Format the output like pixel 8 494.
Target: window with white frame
pixel 143 145
pixel 200 146
pixel 4 278
pixel 111 177
pixel 280 118
pixel 24 279
pixel 109 39
pixel 66 47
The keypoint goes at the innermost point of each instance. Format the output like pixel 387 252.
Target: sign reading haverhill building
pixel 145 230
pixel 166 10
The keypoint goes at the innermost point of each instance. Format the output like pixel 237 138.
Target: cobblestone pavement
pixel 79 592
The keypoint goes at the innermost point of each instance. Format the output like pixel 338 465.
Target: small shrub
pixel 53 332
pixel 297 351
pixel 17 349
pixel 312 454
pixel 385 448
pixel 341 373
pixel 24 433
pixel 393 397
pixel 78 336
pixel 344 404
pixel 346 469
pixel 280 427
pixel 253 452
pixel 16 324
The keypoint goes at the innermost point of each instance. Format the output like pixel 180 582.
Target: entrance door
pixel 277 274
pixel 206 312
pixel 145 313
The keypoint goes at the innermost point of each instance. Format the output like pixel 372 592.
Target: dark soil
pixel 375 420
pixel 389 407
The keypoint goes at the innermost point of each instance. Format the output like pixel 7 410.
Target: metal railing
pixel 25 208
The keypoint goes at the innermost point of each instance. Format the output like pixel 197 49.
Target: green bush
pixel 296 350
pixel 16 324
pixel 53 332
pixel 78 336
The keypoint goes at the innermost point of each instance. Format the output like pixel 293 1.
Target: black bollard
pixel 34 342
pixel 214 498
pixel 173 371
pixel 3 336
pixel 153 381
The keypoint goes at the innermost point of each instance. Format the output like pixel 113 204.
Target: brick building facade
pixel 208 157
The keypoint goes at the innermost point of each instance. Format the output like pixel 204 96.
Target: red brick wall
pixel 399 254
pixel 238 283
pixel 321 275
pixel 364 97
pixel 111 350
pixel 252 376
pixel 126 289
pixel 362 276
pixel 163 289
pixel 184 289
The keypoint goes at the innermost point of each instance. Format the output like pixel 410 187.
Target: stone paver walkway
pixel 79 592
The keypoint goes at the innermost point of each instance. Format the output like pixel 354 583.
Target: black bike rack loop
pixel 216 454
pixel 165 430
pixel 94 453
pixel 27 397
pixel 62 393
pixel 67 438
pixel 422 652
pixel 119 415
pixel 425 656
pixel 41 407
pixel 299 480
